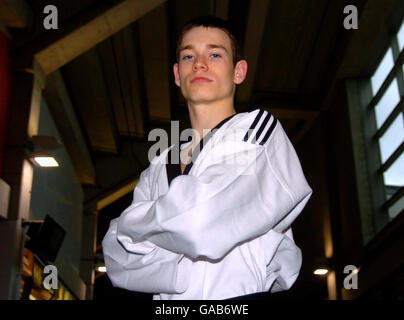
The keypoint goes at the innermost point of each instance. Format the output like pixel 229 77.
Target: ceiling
pixel 114 75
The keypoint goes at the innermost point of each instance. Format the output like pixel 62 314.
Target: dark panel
pixel 319 66
pixel 154 50
pixel 288 40
pixel 108 59
pixel 85 80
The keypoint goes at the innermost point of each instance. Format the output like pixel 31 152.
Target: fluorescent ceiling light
pixel 320 272
pixel 102 269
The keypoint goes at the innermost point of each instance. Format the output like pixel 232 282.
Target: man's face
pixel 205 71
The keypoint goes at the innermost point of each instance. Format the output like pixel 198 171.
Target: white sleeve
pixel 209 214
pixel 284 263
pixel 143 266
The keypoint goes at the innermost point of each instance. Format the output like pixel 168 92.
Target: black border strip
pixel 267 135
pixel 174 169
pixel 256 120
pixel 264 123
pixel 203 143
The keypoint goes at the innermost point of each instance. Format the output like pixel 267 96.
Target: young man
pixel 218 226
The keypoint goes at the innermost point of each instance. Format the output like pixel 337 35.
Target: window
pixel 384 104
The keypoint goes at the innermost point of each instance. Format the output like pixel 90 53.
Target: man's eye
pixel 187 57
pixel 215 55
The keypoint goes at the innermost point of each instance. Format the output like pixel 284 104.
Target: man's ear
pixel 176 75
pixel 240 71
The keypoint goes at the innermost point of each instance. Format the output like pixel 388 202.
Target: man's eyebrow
pixel 189 46
pixel 217 46
pixel 210 46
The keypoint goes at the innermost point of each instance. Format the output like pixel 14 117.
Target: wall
pixel 380 260
pixel 312 228
pixel 5 87
pixel 58 193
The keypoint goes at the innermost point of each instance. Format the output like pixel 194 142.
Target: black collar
pixel 174 169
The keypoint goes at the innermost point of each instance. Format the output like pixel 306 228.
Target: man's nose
pixel 199 64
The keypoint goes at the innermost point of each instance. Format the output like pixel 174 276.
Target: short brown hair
pixel 211 22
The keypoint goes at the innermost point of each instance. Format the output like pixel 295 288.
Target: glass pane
pixel 395 209
pixel 387 103
pixel 402 68
pixel 400 36
pixel 394 176
pixel 392 138
pixel 382 71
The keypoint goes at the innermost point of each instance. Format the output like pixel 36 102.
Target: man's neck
pixel 204 117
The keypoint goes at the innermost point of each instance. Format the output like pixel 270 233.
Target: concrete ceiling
pixel 123 85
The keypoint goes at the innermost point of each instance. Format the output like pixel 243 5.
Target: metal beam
pixel 15 14
pixel 294 114
pixel 61 108
pixel 302 121
pixel 304 129
pixel 109 59
pixel 222 9
pixel 135 82
pixel 309 117
pixel 154 51
pixel 130 80
pixel 28 82
pixel 93 32
pixel 92 101
pixel 372 21
pixel 114 195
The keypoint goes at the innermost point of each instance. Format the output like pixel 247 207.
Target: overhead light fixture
pixel 40 147
pixel 102 269
pixel 45 161
pixel 320 271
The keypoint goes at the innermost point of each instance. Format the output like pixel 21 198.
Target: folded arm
pixel 142 266
pixel 146 269
pixel 207 215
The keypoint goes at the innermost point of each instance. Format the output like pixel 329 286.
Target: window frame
pixel 373 200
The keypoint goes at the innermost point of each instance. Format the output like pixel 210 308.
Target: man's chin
pixel 200 99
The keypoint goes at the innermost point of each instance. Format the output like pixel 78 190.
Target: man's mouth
pixel 200 80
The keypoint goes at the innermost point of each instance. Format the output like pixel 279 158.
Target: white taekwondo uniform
pixel 223 228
